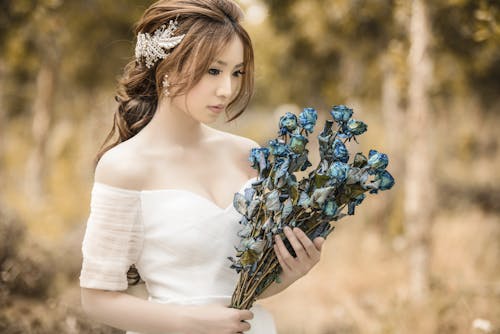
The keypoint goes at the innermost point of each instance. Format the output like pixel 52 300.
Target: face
pixel 209 98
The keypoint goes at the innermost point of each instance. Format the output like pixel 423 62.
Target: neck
pixel 171 127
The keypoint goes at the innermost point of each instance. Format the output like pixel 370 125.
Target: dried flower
pixel 356 127
pixel 341 113
pixel 277 199
pixel 308 118
pixel 288 123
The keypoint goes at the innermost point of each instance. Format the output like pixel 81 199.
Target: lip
pixel 218 108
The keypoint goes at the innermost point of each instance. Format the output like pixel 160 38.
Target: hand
pixel 214 319
pixel 308 254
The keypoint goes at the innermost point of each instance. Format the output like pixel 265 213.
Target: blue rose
pixel 356 127
pixel 298 143
pixel 355 202
pixel 338 172
pixel 288 123
pixel 386 180
pixel 330 208
pixel 278 148
pixel 308 118
pixel 339 150
pixel 341 113
pixel 344 133
pixel 258 157
pixel 377 161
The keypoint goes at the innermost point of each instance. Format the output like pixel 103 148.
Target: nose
pixel 224 88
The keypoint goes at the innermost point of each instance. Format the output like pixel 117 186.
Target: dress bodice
pixel 189 239
pixel 179 241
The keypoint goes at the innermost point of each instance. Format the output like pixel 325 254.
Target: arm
pixel 308 255
pixel 120 310
pixel 126 312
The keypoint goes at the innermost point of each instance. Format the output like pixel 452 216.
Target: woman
pixel 162 197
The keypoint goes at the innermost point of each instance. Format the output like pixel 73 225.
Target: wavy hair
pixel 208 25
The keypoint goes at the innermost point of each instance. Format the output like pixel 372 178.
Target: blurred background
pixel 423 257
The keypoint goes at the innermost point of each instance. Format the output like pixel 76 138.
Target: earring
pixel 166 84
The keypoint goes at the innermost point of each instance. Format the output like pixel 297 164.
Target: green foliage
pixel 325 40
pixel 469 31
pixel 333 47
pixel 99 40
pixel 318 50
pixel 13 14
pixel 90 41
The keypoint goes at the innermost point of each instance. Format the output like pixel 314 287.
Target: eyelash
pixel 214 71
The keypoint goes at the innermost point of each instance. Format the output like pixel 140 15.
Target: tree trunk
pixel 42 115
pixel 392 111
pixel 393 118
pixel 3 135
pixel 419 191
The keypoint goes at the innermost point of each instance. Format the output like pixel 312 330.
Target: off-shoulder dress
pixel 178 240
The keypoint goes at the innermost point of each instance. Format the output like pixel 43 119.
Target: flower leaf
pixel 240 203
pixel 273 201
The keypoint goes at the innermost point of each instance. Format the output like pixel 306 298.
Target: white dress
pixel 178 240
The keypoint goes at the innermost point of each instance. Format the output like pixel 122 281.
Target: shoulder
pixel 240 147
pixel 234 141
pixel 242 144
pixel 121 167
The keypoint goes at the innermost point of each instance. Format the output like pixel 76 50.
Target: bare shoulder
pixel 241 147
pixel 121 167
pixel 244 144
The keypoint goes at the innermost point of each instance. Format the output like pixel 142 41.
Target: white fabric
pixel 113 238
pixel 178 240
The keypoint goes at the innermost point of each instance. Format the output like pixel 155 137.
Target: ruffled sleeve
pixel 113 237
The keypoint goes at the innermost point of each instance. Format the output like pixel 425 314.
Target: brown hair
pixel 208 25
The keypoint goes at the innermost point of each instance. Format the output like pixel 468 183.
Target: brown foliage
pixel 29 271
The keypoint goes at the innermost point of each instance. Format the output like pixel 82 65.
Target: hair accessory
pixel 166 84
pixel 155 47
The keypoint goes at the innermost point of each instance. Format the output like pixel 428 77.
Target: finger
pixel 297 246
pixel 308 245
pixel 318 242
pixel 243 326
pixel 246 315
pixel 281 261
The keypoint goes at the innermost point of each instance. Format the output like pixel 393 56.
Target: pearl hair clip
pixel 155 47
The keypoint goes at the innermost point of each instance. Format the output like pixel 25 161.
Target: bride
pixel 162 197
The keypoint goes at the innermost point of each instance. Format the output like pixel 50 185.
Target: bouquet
pixel 314 203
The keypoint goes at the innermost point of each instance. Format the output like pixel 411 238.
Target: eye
pixel 238 73
pixel 214 71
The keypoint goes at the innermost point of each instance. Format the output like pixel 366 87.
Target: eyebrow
pixel 223 63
